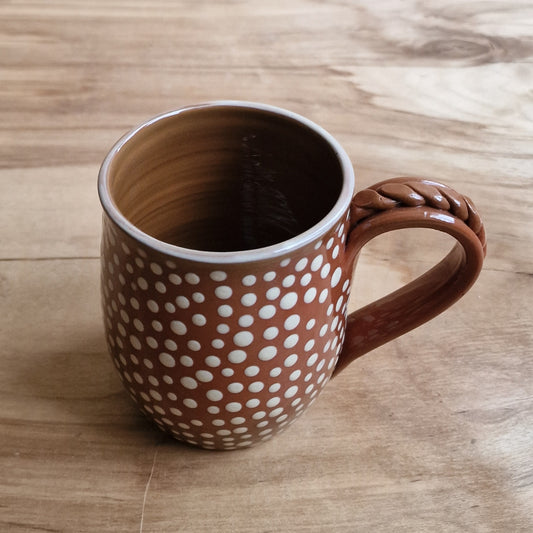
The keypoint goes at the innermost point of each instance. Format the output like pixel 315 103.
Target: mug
pixel 230 233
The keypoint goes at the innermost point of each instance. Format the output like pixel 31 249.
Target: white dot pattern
pixel 220 357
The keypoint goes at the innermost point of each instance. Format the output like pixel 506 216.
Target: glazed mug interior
pixel 225 179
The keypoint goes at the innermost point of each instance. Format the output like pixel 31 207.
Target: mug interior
pixel 225 178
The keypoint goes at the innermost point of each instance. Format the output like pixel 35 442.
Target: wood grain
pixel 431 432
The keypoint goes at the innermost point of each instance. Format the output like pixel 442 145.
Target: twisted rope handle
pixel 408 203
pixel 413 192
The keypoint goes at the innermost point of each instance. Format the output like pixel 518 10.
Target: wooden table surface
pixel 430 433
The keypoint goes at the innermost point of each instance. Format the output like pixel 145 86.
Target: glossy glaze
pixel 223 348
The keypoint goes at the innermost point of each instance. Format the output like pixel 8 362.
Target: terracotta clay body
pixel 230 236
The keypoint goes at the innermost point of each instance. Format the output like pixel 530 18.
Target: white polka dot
pixel 170 345
pixel 143 284
pixel 233 407
pixel 330 243
pixel 182 302
pixel 139 262
pixel 334 323
pixel 325 271
pixel 225 311
pixel 323 296
pixel 306 279
pixel 273 402
pixel 218 275
pixel 252 403
pixel 292 322
pixel 275 387
pixel 295 375
pixel 223 292
pixel 191 278
pixel 178 327
pixel 310 295
pixel 252 371
pixel 273 293
pixel 235 388
pixel 190 403
pixel 155 395
pixel 124 316
pixel 318 245
pixel 156 269
pixel 335 252
pixel 339 303
pixel 285 262
pixel 134 303
pixel 171 308
pixel 289 300
pixel 275 372
pixel 291 360
pixel 137 377
pixel 160 287
pixel 214 396
pixel 256 386
pixel 323 330
pixel 167 360
pixel 249 280
pixel 198 297
pixel 291 391
pixel 291 341
pixel 246 321
pixel 269 276
pixel 288 281
pixel 189 383
pixel 335 278
pixel 243 338
pixel 249 299
pixel 223 329
pixel 139 326
pixel 317 263
pixel 169 381
pixel 125 248
pixel 185 360
pixel 213 361
pixel 199 320
pixel 148 363
pixel 301 264
pixel 270 333
pixel 238 420
pixel 267 353
pixel 135 342
pixel 204 376
pixel 174 279
pixel 193 345
pixel 237 356
pixel 217 343
pixel 121 329
pixel 259 415
pixel 267 311
pixel 330 309
pixel 213 409
pixel 228 372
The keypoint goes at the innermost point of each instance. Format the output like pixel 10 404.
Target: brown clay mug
pixel 230 235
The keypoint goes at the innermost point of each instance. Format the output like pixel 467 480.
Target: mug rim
pixel 239 256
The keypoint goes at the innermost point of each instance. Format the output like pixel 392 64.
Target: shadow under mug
pixel 230 235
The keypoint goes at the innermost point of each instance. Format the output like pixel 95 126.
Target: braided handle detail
pixel 408 192
pixel 401 203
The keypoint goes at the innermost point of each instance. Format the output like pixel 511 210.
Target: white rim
pixel 257 254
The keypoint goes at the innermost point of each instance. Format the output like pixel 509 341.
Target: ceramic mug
pixel 230 234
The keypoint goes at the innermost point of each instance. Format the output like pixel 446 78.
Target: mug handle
pixel 411 203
